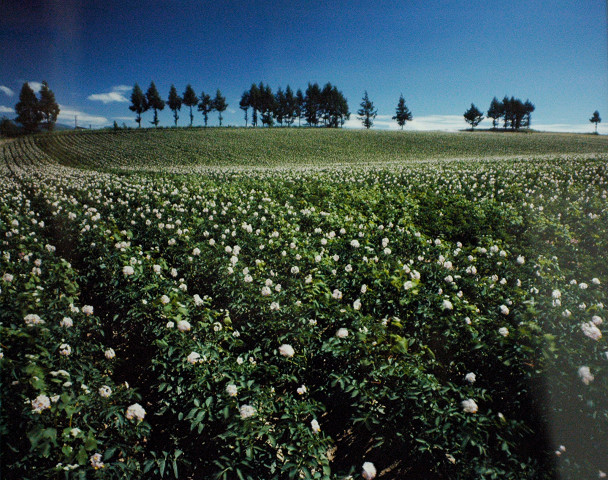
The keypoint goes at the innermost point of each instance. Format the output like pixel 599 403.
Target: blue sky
pixel 442 55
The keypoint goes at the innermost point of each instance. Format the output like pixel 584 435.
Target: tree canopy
pixel 139 104
pixel 367 112
pixel 28 109
pixel 174 102
pixel 473 116
pixel 402 113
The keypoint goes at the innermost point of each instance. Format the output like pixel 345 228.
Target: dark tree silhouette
pixel 255 103
pixel 139 104
pixel 267 104
pixel 244 104
pixel 190 100
pixel 495 111
pixel 595 118
pixel 205 106
pixel 174 102
pixel 312 104
pixel 527 118
pixel 219 104
pixel 402 113
pixel 367 112
pixel 28 110
pixel 290 106
pixel 48 107
pixel 473 116
pixel 154 102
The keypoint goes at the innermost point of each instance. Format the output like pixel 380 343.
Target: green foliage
pixel 367 112
pixel 174 103
pixel 139 103
pixel 28 109
pixel 48 107
pixel 473 116
pixel 595 118
pixel 155 102
pixel 219 104
pixel 205 106
pixel 402 113
pixel 190 100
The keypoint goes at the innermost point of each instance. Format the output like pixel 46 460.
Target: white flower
pixel 265 291
pixel 198 301
pixel 596 320
pixel 127 270
pixel 136 411
pixel 470 377
pixel 369 471
pixel 65 349
pixel 342 333
pixel 521 260
pixel 66 322
pixel 183 326
pixel 247 411
pixel 591 331
pixel 315 426
pixel 556 294
pixel 286 350
pixel 595 281
pixel 87 310
pixel 164 299
pixel 363 289
pixel 585 375
pixel 469 406
pixel 110 354
pixel 301 390
pixel 357 304
pixel 193 358
pixel 7 277
pixel 583 286
pixel 447 305
pixel 196 252
pixel 96 462
pixel 32 319
pixel 337 294
pixel 504 331
pixel 274 306
pixel 75 432
pixel 105 391
pixel 41 402
pixel 231 390
pixel 295 270
pixel 354 243
pixel 504 310
pixel 156 268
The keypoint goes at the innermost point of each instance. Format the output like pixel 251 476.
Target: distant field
pixel 258 147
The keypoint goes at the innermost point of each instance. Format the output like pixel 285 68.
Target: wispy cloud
pixel 36 86
pixel 67 114
pixel 4 109
pixel 428 122
pixel 7 90
pixel 124 119
pixel 116 95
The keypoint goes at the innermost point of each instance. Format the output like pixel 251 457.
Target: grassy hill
pixel 273 147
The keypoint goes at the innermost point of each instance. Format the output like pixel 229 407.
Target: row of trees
pixel 514 113
pixel 36 112
pixel 317 106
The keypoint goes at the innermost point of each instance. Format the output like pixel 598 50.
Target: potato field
pixel 294 304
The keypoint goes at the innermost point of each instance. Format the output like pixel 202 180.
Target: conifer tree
pixel 190 100
pixel 174 102
pixel 48 106
pixel 28 110
pixel 290 106
pixel 139 104
pixel 495 111
pixel 219 104
pixel 244 104
pixel 473 116
pixel 299 106
pixel 254 102
pixel 154 102
pixel 402 113
pixel 367 112
pixel 312 104
pixel 205 106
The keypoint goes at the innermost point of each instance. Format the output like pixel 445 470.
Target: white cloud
pixel 428 122
pixel 122 88
pixel 7 90
pixel 66 115
pixel 4 109
pixel 571 127
pixel 107 97
pixel 36 86
pixel 124 119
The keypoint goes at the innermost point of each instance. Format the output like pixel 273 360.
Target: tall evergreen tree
pixel 219 104
pixel 190 100
pixel 139 104
pixel 244 104
pixel 268 105
pixel 495 111
pixel 48 107
pixel 28 110
pixel 205 106
pixel 299 106
pixel 255 103
pixel 280 106
pixel 367 112
pixel 528 109
pixel 154 102
pixel 473 116
pixel 402 113
pixel 290 106
pixel 174 102
pixel 312 104
pixel 595 118
pixel 507 112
